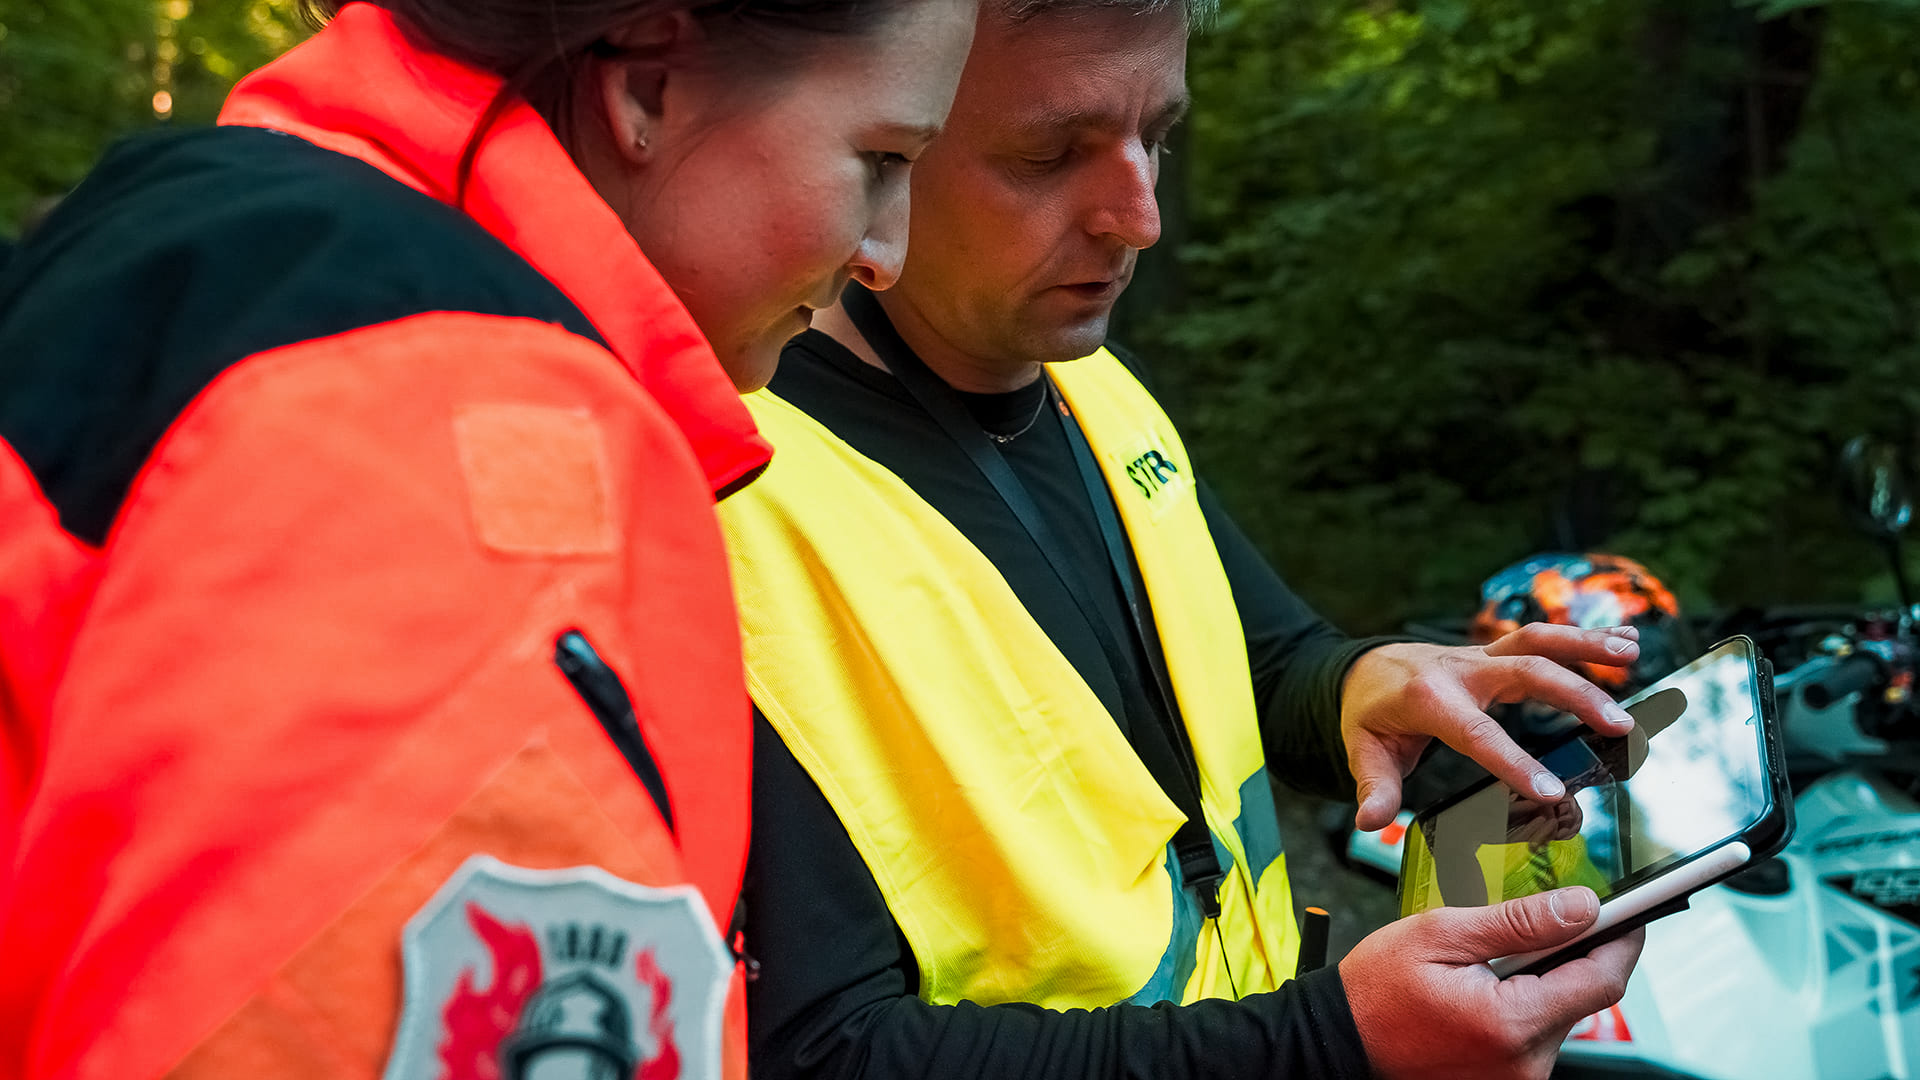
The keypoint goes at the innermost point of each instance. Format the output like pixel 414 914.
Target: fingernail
pixel 1618 715
pixel 1619 645
pixel 1569 906
pixel 1547 786
pixel 1630 632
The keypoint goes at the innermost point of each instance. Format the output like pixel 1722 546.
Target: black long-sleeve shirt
pixel 835 997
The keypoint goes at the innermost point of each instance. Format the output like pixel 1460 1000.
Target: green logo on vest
pixel 1151 472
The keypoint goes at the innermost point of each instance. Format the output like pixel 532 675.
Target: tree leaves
pixel 77 74
pixel 1480 277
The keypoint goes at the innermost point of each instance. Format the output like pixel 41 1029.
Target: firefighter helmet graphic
pixel 515 974
pixel 578 1020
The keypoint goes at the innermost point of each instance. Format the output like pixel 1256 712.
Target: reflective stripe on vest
pixel 1020 843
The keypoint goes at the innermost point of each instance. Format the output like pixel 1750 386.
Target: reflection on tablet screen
pixel 1687 777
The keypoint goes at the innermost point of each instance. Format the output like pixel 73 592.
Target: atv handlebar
pixel 1859 671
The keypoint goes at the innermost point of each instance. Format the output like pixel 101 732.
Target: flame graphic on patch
pixel 477 1022
pixel 665 1063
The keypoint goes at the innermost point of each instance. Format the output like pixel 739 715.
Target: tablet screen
pixel 1689 776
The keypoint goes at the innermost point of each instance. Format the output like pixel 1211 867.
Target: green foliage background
pixel 77 74
pixel 1468 279
pixel 1446 281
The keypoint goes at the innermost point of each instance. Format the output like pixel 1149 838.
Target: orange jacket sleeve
pixel 310 673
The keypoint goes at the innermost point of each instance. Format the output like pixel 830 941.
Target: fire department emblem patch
pixel 515 974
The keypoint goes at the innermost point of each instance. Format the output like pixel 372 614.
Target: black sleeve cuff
pixel 1301 723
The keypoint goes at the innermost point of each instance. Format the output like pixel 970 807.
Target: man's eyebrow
pixel 1172 112
pixel 1052 121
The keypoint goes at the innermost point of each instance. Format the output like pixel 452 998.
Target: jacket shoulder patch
pixel 514 973
pixel 536 479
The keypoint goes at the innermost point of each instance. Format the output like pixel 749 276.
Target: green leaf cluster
pixel 77 74
pixel 1468 279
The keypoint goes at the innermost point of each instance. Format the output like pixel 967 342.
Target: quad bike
pixel 1805 966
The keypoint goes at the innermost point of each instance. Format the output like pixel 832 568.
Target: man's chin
pixel 1060 343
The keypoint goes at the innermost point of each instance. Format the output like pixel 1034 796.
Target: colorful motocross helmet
pixel 1590 591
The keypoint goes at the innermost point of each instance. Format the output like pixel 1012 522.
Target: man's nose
pixel 1122 203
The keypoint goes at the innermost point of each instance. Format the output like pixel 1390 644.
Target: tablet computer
pixel 1695 792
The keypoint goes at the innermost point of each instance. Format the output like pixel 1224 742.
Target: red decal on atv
pixel 1607 1025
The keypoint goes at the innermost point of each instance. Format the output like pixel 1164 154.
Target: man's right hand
pixel 1427 1005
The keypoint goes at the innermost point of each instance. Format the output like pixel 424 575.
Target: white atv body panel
pixel 1816 983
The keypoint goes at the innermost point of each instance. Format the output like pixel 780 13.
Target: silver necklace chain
pixel 1003 440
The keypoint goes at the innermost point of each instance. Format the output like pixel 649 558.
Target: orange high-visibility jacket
pixel 306 463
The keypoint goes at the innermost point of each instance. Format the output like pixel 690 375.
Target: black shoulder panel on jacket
pixel 183 254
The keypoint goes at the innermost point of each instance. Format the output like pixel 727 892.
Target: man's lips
pixel 1093 290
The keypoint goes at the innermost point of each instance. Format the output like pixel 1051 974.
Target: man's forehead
pixel 1101 68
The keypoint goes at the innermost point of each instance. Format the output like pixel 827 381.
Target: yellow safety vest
pixel 1020 843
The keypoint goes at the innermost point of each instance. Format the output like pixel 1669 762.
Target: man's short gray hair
pixel 1199 12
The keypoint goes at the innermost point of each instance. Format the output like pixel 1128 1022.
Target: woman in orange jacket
pixel 371 692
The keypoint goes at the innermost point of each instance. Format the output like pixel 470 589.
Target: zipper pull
pixel 737 940
pixel 607 699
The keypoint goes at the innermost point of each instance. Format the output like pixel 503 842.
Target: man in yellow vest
pixel 1020 679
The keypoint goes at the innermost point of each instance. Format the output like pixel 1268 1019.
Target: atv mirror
pixel 1874 485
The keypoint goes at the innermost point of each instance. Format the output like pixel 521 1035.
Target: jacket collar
pixel 362 88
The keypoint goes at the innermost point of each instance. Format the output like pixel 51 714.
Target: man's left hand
pixel 1399 697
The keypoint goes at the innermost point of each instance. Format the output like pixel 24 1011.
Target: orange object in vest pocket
pixel 536 479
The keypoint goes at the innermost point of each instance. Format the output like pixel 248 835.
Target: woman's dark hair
pixel 535 44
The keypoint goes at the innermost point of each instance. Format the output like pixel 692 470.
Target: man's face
pixel 1031 208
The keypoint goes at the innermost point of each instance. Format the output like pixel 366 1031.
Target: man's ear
pixel 631 80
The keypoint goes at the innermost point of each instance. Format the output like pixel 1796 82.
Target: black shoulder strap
pixel 1200 865
pixel 1164 750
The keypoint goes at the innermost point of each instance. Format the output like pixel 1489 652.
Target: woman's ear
pixel 631 80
